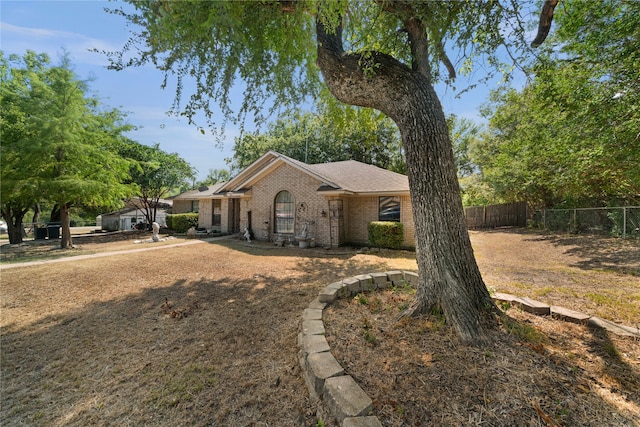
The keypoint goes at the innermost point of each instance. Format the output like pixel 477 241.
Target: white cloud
pixel 17 39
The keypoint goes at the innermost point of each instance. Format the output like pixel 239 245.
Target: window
pixel 217 213
pixel 194 206
pixel 284 213
pixel 389 209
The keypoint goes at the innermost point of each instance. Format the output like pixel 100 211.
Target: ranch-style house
pixel 285 200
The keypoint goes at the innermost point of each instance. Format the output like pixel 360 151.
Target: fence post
pixel 624 222
pixel 484 217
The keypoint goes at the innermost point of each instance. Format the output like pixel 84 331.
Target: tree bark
pixel 36 213
pixel 544 25
pixel 450 280
pixel 65 220
pixel 14 218
pixel 56 213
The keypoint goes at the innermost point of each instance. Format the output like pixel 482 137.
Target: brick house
pixel 279 198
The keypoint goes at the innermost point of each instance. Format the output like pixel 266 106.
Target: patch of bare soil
pixel 592 274
pixel 205 334
pixel 537 371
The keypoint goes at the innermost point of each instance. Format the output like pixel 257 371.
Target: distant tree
pixel 465 137
pixel 464 133
pixel 602 39
pixel 337 132
pixel 571 136
pixel 214 176
pixel 60 144
pixel 516 159
pixel 362 134
pixel 155 173
pixel 18 184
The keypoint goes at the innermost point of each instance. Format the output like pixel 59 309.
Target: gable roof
pixel 348 176
pixel 200 193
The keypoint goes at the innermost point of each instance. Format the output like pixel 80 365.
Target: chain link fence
pixel 621 221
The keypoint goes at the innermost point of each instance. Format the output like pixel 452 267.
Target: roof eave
pixel 336 192
pixel 383 193
pixel 242 193
pixel 341 192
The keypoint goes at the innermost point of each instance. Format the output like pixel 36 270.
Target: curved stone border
pixel 337 391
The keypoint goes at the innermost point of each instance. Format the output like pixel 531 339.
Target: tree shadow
pixel 270 249
pixel 503 384
pixel 203 352
pixel 617 255
pixel 619 375
pixel 600 253
pixel 206 351
pixel 214 350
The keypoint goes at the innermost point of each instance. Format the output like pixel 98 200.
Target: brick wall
pixel 406 217
pixel 363 210
pixel 309 207
pixel 308 204
pixel 205 209
pixel 181 206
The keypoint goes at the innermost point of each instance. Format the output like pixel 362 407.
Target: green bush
pixel 386 234
pixel 180 223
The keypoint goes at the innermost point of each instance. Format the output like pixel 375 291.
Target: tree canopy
pixel 570 137
pixel 270 47
pixel 214 176
pixel 343 133
pixel 57 144
pixel 155 173
pixel 378 54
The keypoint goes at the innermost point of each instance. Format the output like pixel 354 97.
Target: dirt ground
pixel 205 334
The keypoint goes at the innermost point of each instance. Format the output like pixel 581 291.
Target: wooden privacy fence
pixel 492 216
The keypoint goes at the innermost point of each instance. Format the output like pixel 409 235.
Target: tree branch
pixel 367 79
pixel 447 63
pixel 329 39
pixel 419 46
pixel 546 16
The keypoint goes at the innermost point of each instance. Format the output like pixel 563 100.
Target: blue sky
pixel 78 26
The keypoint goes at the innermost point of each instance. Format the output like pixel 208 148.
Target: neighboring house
pixel 279 198
pixel 127 217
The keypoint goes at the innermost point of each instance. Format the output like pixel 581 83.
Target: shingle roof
pixel 350 176
pixel 354 176
pixel 357 177
pixel 200 193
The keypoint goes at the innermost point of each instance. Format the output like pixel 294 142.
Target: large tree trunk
pixel 449 277
pixel 65 220
pixel 15 228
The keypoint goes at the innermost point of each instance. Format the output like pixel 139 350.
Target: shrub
pixel 386 234
pixel 180 223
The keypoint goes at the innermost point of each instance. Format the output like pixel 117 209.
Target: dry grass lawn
pixel 205 334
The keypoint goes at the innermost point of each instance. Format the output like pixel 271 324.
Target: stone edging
pixel 337 391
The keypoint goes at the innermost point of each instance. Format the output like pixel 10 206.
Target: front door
pixel 234 215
